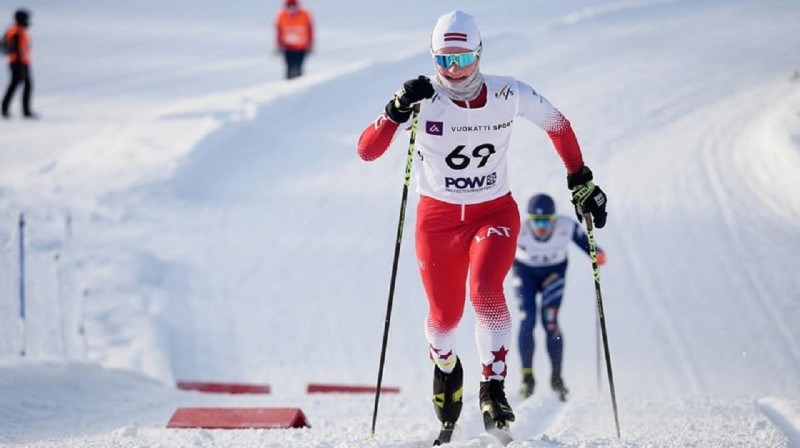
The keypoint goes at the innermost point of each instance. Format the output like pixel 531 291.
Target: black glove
pixel 412 92
pixel 587 197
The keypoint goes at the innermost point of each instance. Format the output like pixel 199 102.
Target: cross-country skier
pixel 467 220
pixel 540 267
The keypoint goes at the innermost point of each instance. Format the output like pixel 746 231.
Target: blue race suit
pixel 540 268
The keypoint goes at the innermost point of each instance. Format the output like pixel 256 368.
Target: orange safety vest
pixel 294 30
pixel 22 51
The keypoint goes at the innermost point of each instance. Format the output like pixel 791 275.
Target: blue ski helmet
pixel 541 204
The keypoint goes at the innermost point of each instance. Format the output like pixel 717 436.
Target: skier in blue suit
pixel 540 267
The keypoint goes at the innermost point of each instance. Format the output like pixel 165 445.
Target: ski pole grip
pixel 588 217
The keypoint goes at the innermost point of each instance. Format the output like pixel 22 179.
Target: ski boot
pixel 528 383
pixel 447 392
pixel 497 413
pixel 558 386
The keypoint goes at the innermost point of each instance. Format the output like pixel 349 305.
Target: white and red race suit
pixel 467 221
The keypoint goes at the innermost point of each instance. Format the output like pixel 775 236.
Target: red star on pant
pixel 488 370
pixel 500 355
pixel 438 354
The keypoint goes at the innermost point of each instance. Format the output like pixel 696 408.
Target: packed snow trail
pixel 227 230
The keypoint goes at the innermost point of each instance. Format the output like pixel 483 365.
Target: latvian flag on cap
pixel 455 37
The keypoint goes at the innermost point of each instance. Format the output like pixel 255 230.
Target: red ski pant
pixel 472 243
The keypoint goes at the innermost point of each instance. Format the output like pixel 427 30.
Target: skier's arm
pixel 580 238
pixel 539 111
pixel 586 196
pixel 376 138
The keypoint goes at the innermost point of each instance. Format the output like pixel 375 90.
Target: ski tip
pixel 504 437
pixel 445 434
pixel 500 431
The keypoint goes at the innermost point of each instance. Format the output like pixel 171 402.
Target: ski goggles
pixel 460 59
pixel 542 220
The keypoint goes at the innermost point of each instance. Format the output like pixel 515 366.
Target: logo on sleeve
pixel 434 127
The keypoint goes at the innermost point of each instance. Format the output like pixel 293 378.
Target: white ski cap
pixel 456 29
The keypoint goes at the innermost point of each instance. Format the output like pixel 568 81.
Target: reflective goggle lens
pixel 460 59
pixel 542 220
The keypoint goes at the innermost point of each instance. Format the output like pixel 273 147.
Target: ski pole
pixel 597 350
pixel 600 314
pixel 406 181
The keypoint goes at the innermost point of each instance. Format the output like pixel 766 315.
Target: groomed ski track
pixel 256 246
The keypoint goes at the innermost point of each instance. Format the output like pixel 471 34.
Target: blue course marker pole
pixel 22 283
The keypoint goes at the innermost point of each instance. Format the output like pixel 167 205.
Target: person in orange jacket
pixel 18 46
pixel 295 36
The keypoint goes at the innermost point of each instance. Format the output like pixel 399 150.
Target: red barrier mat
pixel 338 388
pixel 238 418
pixel 224 388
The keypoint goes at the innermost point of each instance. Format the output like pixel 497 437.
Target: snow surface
pixel 200 218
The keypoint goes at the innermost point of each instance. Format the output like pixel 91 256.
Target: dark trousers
pixel 19 74
pixel 549 282
pixel 294 62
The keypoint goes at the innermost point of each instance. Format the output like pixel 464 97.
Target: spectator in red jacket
pixel 18 46
pixel 295 36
